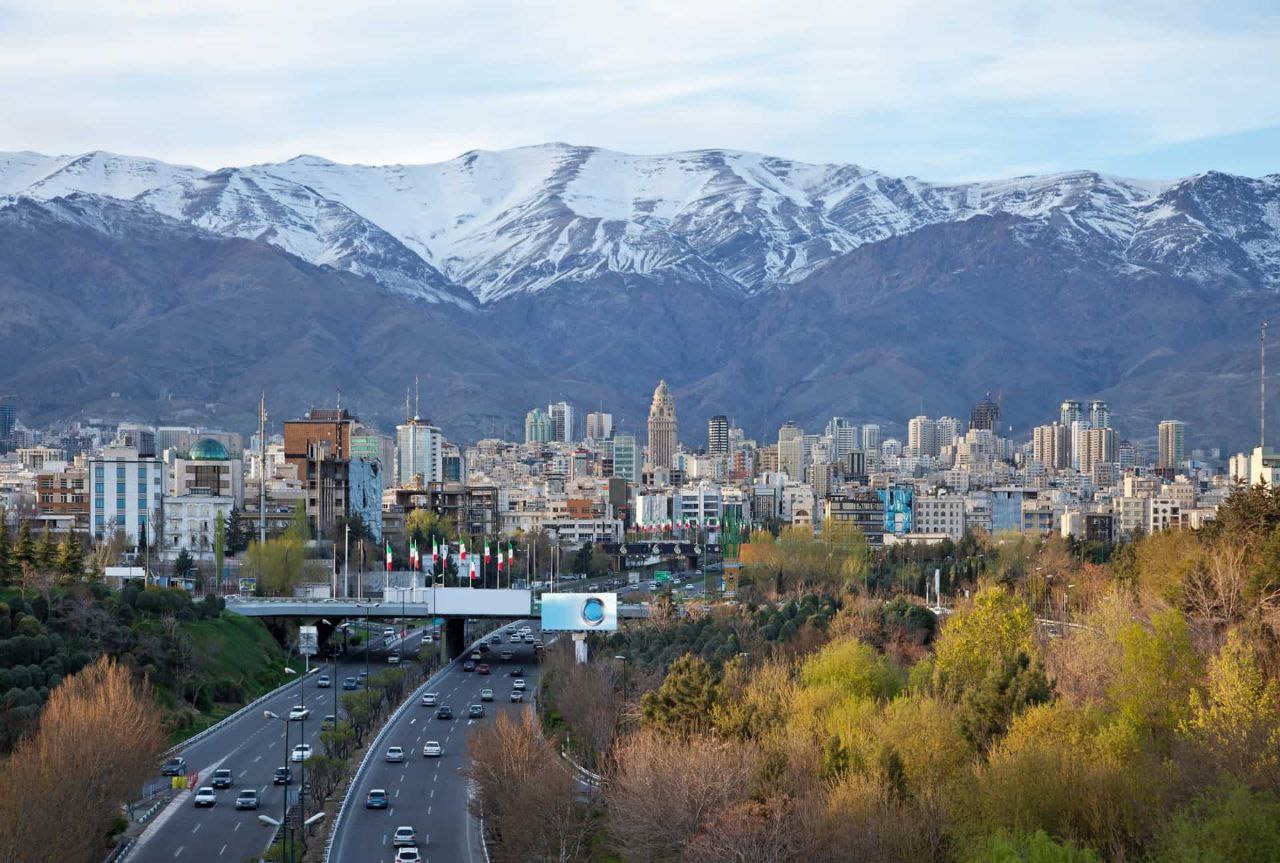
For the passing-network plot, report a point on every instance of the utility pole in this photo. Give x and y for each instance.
(262, 469)
(1262, 390)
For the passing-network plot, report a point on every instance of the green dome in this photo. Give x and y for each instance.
(208, 449)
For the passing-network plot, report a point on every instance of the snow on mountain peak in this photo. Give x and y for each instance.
(497, 223)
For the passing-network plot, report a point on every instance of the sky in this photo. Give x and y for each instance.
(938, 90)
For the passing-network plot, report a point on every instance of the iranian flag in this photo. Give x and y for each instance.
(388, 557)
(462, 552)
(435, 551)
(486, 551)
(499, 560)
(413, 554)
(511, 552)
(473, 570)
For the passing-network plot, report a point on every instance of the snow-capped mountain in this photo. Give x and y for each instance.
(488, 225)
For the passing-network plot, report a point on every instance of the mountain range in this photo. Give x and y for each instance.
(759, 287)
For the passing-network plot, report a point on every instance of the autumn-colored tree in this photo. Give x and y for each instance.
(662, 791)
(528, 799)
(100, 736)
(585, 697)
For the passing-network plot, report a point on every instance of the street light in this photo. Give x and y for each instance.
(367, 638)
(284, 807)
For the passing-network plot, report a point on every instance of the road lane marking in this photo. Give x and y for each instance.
(237, 827)
(195, 829)
(179, 851)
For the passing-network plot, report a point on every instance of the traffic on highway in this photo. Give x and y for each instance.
(412, 793)
(242, 769)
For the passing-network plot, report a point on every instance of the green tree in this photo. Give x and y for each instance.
(1156, 671)
(7, 568)
(363, 708)
(685, 701)
(299, 528)
(70, 556)
(183, 564)
(276, 564)
(219, 546)
(1036, 848)
(24, 550)
(237, 532)
(1228, 825)
(989, 633)
(46, 551)
(1007, 690)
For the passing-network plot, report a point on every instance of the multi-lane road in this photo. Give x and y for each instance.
(252, 747)
(430, 794)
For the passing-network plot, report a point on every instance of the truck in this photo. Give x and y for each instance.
(633, 578)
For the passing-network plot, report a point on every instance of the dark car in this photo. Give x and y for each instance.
(282, 776)
(349, 683)
(247, 799)
(518, 671)
(484, 648)
(495, 639)
(468, 666)
(475, 711)
(221, 778)
(377, 799)
(444, 712)
(174, 767)
(482, 668)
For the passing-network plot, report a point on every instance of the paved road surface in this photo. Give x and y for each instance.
(430, 794)
(252, 747)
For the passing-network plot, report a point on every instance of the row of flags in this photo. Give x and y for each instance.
(686, 524)
(505, 556)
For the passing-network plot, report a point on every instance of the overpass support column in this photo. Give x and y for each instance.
(455, 638)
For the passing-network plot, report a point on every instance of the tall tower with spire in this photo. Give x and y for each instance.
(663, 428)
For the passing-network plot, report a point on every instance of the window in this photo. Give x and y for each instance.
(120, 519)
(142, 519)
(99, 504)
(119, 471)
(97, 471)
(98, 520)
(142, 473)
(97, 486)
(119, 488)
(120, 504)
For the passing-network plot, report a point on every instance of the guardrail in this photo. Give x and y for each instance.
(376, 744)
(595, 780)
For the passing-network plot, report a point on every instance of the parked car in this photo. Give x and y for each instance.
(221, 778)
(404, 836)
(377, 799)
(430, 699)
(205, 797)
(324, 681)
(282, 776)
(349, 683)
(174, 767)
(247, 799)
(395, 755)
(432, 749)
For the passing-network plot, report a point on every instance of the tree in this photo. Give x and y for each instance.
(683, 704)
(183, 564)
(991, 631)
(1230, 824)
(299, 528)
(70, 557)
(1039, 847)
(324, 774)
(364, 708)
(24, 550)
(1157, 669)
(7, 568)
(65, 767)
(237, 532)
(46, 552)
(219, 546)
(276, 564)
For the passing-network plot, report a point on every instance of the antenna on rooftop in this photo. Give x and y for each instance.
(1262, 388)
(417, 397)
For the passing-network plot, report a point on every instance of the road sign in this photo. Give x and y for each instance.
(308, 641)
(661, 576)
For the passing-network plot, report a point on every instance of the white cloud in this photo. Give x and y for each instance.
(937, 86)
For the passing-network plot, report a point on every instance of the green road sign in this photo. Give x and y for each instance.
(661, 576)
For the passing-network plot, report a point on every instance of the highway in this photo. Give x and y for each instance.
(252, 747)
(430, 794)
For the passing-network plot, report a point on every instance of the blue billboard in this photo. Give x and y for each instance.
(579, 612)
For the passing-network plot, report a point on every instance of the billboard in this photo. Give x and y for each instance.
(579, 612)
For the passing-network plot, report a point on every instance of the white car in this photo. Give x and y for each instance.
(298, 712)
(432, 749)
(301, 752)
(393, 658)
(518, 683)
(395, 755)
(408, 855)
(430, 699)
(206, 797)
(405, 836)
(517, 695)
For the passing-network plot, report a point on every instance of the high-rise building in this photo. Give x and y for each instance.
(922, 437)
(985, 415)
(8, 417)
(844, 437)
(792, 452)
(624, 457)
(330, 427)
(663, 428)
(175, 438)
(1051, 446)
(1097, 446)
(871, 445)
(420, 448)
(599, 426)
(1173, 443)
(1078, 430)
(949, 429)
(537, 427)
(1099, 414)
(128, 489)
(718, 435)
(561, 414)
(1071, 410)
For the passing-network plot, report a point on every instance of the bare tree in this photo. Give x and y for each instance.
(663, 791)
(100, 736)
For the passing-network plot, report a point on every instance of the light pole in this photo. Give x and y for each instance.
(284, 806)
(367, 638)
